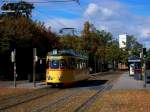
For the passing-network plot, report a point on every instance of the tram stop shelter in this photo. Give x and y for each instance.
(135, 67)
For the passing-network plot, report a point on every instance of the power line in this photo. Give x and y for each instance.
(54, 19)
(64, 27)
(46, 15)
(49, 1)
(56, 1)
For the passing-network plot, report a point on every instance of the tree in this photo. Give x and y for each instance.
(104, 40)
(133, 47)
(86, 36)
(113, 54)
(70, 42)
(23, 34)
(95, 43)
(21, 8)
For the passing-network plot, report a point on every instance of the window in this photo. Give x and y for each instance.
(63, 64)
(71, 63)
(54, 64)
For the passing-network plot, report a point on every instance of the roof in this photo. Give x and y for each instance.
(69, 53)
(134, 59)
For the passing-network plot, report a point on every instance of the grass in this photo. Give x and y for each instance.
(12, 91)
(122, 101)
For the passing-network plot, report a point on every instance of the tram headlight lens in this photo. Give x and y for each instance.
(60, 77)
(48, 77)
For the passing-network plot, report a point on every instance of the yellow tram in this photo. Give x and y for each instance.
(66, 67)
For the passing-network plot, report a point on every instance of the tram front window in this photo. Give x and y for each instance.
(54, 64)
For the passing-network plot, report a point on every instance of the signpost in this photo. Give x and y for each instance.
(34, 65)
(145, 74)
(13, 60)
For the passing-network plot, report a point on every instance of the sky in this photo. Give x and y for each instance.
(115, 16)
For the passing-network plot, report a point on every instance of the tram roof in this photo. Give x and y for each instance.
(68, 53)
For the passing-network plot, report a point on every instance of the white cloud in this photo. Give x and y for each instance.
(145, 32)
(106, 11)
(118, 19)
(94, 9)
(112, 16)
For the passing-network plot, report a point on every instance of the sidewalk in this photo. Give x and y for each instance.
(22, 84)
(127, 82)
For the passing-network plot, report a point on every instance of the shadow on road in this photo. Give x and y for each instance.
(87, 83)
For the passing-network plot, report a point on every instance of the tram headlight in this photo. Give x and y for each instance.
(60, 77)
(49, 78)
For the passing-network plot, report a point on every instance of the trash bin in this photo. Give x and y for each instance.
(138, 74)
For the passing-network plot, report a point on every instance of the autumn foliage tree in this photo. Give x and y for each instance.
(23, 34)
(21, 8)
(70, 42)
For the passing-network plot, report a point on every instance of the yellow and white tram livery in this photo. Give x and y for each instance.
(66, 67)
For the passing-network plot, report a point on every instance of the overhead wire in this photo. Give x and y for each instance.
(48, 17)
(48, 1)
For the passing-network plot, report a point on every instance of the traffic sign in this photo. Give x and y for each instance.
(13, 53)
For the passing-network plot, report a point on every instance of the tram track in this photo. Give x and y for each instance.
(55, 102)
(51, 101)
(17, 100)
(58, 104)
(66, 99)
(90, 100)
(62, 99)
(16, 95)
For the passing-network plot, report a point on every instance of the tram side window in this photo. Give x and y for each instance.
(71, 63)
(81, 66)
(63, 64)
(84, 65)
(87, 64)
(54, 64)
(78, 64)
